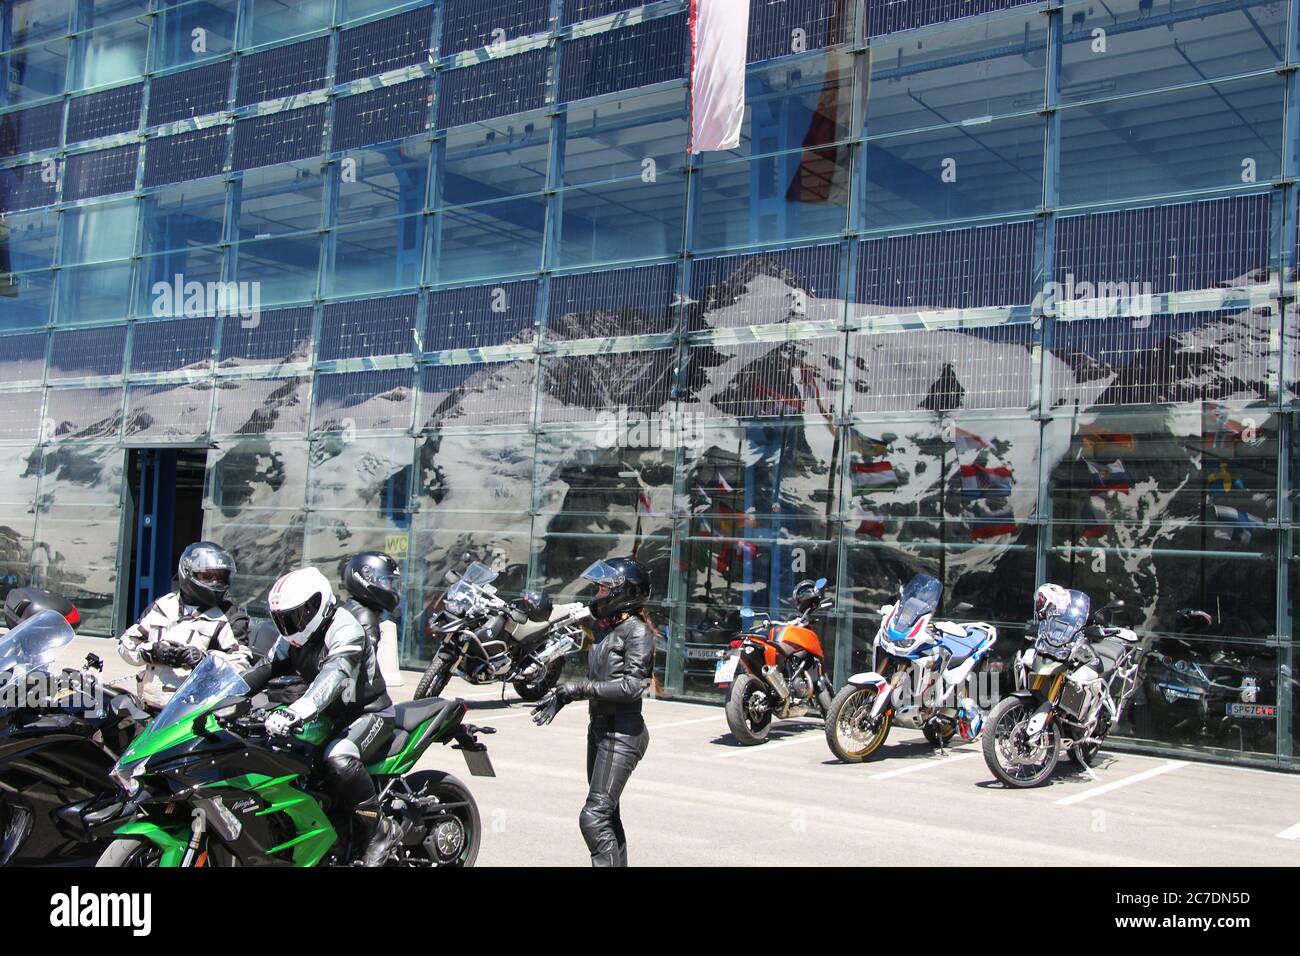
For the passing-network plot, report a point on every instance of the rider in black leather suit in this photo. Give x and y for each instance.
(619, 671)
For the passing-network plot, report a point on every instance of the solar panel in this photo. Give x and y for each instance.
(26, 131)
(512, 84)
(943, 369)
(493, 393)
(653, 51)
(582, 388)
(364, 400)
(20, 416)
(84, 413)
(578, 10)
(169, 346)
(190, 93)
(26, 187)
(100, 173)
(767, 380)
(1175, 248)
(278, 137)
(283, 70)
(949, 269)
(766, 288)
(104, 113)
(22, 357)
(168, 411)
(185, 156)
(368, 327)
(781, 27)
(383, 45)
(378, 116)
(470, 24)
(261, 406)
(481, 316)
(619, 302)
(890, 16)
(279, 335)
(77, 353)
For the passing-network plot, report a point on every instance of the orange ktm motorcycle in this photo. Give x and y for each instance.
(776, 671)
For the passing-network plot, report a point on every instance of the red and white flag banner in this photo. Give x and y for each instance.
(719, 43)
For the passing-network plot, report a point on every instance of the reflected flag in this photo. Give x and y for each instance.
(724, 484)
(1093, 517)
(969, 441)
(1220, 429)
(1241, 525)
(1110, 477)
(989, 522)
(1099, 442)
(977, 481)
(1221, 481)
(873, 475)
(869, 523)
(719, 49)
(643, 505)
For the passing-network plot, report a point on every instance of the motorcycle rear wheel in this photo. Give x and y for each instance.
(845, 721)
(453, 837)
(1005, 722)
(748, 725)
(543, 685)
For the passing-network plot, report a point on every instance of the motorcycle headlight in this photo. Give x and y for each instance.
(458, 606)
(128, 778)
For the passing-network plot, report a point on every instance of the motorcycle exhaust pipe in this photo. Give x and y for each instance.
(774, 678)
(542, 659)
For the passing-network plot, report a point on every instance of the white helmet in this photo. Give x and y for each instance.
(300, 601)
(1050, 598)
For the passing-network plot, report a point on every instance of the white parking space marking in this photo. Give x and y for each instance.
(1166, 767)
(927, 763)
(764, 748)
(716, 718)
(1290, 833)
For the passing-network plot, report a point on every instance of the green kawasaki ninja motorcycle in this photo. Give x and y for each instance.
(206, 786)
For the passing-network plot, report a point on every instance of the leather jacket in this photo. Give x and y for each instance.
(619, 668)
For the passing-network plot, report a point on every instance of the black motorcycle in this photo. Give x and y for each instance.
(483, 638)
(60, 735)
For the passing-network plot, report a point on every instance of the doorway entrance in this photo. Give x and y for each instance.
(166, 505)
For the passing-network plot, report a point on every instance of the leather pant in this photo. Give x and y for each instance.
(615, 745)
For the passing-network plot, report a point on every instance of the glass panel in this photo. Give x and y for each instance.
(491, 393)
(34, 72)
(494, 239)
(632, 219)
(284, 267)
(589, 388)
(376, 257)
(266, 21)
(262, 406)
(110, 54)
(1148, 44)
(25, 299)
(19, 471)
(771, 287)
(473, 472)
(960, 172)
(189, 282)
(386, 181)
(369, 475)
(614, 138)
(36, 20)
(966, 71)
(99, 232)
(764, 380)
(168, 412)
(495, 159)
(276, 200)
(801, 195)
(20, 413)
(26, 187)
(1218, 134)
(183, 216)
(98, 293)
(175, 42)
(468, 24)
(27, 241)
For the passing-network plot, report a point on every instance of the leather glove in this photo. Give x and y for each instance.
(548, 707)
(282, 723)
(190, 656)
(163, 652)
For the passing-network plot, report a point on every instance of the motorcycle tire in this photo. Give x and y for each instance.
(936, 738)
(435, 679)
(993, 758)
(846, 705)
(542, 686)
(747, 731)
(455, 843)
(129, 852)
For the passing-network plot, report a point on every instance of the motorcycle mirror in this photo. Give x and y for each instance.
(965, 607)
(828, 603)
(746, 613)
(451, 577)
(820, 584)
(94, 662)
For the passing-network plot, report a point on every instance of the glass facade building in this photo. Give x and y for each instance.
(1004, 292)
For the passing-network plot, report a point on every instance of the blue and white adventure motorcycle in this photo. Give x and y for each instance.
(920, 666)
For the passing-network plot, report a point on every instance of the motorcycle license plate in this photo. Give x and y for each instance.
(725, 670)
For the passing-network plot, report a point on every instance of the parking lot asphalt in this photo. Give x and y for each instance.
(699, 799)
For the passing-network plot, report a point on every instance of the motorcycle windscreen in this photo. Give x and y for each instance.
(213, 680)
(919, 598)
(33, 644)
(1060, 629)
(460, 598)
(478, 573)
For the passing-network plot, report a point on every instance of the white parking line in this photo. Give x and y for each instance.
(676, 723)
(1290, 833)
(764, 748)
(1166, 767)
(927, 763)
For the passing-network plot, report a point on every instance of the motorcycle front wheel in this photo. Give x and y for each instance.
(749, 713)
(130, 853)
(848, 734)
(453, 832)
(1015, 759)
(435, 678)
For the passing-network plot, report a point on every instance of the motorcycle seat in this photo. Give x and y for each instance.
(412, 714)
(1109, 650)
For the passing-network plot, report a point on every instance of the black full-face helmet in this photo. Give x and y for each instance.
(375, 580)
(205, 573)
(807, 596)
(624, 585)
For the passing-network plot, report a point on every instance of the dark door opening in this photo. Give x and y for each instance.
(167, 503)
